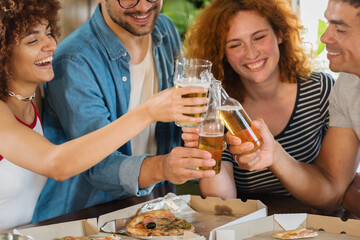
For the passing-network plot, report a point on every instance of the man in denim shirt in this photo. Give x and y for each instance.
(96, 82)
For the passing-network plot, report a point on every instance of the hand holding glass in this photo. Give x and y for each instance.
(192, 72)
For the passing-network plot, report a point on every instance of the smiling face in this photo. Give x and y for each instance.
(32, 57)
(342, 37)
(252, 47)
(139, 20)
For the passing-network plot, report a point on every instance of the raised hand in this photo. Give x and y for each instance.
(169, 105)
(260, 159)
(180, 165)
(190, 136)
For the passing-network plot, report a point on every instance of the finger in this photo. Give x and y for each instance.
(194, 101)
(200, 173)
(193, 109)
(188, 153)
(248, 161)
(190, 130)
(192, 144)
(242, 148)
(231, 139)
(190, 137)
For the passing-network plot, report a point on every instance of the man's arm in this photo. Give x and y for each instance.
(322, 184)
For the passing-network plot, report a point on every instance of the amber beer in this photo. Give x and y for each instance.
(186, 83)
(213, 143)
(238, 123)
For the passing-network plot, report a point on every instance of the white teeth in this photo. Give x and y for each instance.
(45, 60)
(140, 17)
(333, 53)
(255, 65)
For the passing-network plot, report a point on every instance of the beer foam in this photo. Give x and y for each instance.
(230, 108)
(210, 134)
(195, 82)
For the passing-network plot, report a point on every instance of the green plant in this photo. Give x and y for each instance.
(321, 29)
(183, 12)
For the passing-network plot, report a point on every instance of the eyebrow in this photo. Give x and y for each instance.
(36, 32)
(260, 31)
(339, 22)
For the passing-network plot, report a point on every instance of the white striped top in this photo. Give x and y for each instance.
(301, 137)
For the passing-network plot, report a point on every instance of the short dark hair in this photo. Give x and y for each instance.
(17, 17)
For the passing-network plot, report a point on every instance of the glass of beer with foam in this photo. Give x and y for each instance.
(211, 132)
(192, 72)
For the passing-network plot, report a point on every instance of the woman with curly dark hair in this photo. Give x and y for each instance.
(27, 44)
(256, 51)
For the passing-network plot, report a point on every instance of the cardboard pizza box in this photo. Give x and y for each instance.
(216, 213)
(329, 228)
(86, 227)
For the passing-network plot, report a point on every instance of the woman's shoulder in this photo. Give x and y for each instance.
(318, 79)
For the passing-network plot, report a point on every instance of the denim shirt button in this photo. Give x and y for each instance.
(124, 79)
(124, 55)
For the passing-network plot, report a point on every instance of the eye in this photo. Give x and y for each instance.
(235, 45)
(32, 41)
(259, 37)
(340, 31)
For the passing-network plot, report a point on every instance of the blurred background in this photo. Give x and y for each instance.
(183, 12)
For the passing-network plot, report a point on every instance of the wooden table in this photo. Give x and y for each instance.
(274, 204)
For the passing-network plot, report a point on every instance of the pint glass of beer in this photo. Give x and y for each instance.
(192, 72)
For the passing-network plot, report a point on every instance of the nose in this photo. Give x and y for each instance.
(326, 36)
(251, 51)
(143, 6)
(49, 44)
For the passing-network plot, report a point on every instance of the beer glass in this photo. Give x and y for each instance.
(238, 122)
(211, 132)
(192, 72)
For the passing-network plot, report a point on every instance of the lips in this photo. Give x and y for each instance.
(255, 65)
(44, 61)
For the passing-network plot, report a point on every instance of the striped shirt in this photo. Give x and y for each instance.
(301, 137)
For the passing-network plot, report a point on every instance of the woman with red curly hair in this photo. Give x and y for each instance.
(256, 51)
(27, 44)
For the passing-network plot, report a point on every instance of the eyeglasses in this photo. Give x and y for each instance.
(131, 3)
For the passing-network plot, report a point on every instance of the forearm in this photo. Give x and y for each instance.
(82, 153)
(351, 200)
(152, 171)
(307, 182)
(222, 185)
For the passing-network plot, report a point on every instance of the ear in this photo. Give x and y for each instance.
(279, 40)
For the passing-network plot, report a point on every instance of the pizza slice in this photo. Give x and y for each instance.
(295, 234)
(161, 222)
(112, 237)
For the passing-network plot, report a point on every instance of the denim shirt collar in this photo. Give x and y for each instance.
(111, 42)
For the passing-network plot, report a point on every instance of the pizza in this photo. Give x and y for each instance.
(296, 234)
(161, 222)
(112, 237)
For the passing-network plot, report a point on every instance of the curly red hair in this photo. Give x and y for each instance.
(206, 39)
(18, 17)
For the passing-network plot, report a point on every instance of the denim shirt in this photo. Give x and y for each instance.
(92, 88)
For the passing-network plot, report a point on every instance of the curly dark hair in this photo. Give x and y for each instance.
(18, 17)
(206, 39)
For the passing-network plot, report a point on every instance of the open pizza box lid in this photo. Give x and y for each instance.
(329, 228)
(216, 213)
(86, 227)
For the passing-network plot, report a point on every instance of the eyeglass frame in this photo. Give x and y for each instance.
(150, 1)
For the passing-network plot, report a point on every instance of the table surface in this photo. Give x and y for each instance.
(274, 204)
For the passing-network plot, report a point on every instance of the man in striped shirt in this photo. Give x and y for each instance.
(329, 182)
